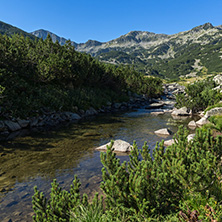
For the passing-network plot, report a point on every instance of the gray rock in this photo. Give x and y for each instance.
(218, 79)
(192, 124)
(164, 131)
(213, 112)
(23, 123)
(12, 126)
(34, 122)
(202, 121)
(184, 111)
(91, 112)
(118, 146)
(169, 142)
(71, 116)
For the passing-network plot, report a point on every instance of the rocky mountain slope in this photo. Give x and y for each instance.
(191, 52)
(41, 33)
(183, 53)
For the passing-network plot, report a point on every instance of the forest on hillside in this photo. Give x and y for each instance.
(35, 74)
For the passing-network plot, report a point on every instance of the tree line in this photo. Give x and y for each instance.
(37, 73)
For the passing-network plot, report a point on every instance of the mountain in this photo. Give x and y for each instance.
(10, 30)
(159, 54)
(41, 33)
(195, 51)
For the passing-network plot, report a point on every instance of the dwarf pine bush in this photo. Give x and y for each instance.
(145, 187)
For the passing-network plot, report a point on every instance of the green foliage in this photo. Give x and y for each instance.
(199, 96)
(217, 121)
(149, 188)
(44, 73)
(206, 209)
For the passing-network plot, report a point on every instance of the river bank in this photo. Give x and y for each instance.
(15, 127)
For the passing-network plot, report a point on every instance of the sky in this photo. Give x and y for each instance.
(108, 19)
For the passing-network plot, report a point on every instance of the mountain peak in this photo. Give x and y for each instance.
(205, 26)
(90, 43)
(41, 33)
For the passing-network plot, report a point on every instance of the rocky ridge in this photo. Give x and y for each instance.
(143, 48)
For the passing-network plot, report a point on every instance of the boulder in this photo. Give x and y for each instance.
(218, 79)
(192, 124)
(164, 132)
(91, 112)
(12, 126)
(169, 142)
(184, 111)
(213, 112)
(72, 116)
(118, 146)
(202, 121)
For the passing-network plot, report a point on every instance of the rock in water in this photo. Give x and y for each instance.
(118, 146)
(192, 124)
(181, 112)
(91, 112)
(202, 121)
(164, 132)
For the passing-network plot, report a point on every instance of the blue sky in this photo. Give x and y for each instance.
(108, 19)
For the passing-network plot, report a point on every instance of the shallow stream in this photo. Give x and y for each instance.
(40, 157)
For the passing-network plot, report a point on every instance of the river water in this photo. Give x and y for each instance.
(38, 158)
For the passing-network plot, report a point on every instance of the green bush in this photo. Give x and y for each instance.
(217, 121)
(199, 96)
(146, 188)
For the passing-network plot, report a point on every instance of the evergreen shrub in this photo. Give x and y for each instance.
(147, 188)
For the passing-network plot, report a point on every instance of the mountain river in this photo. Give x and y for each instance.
(38, 158)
